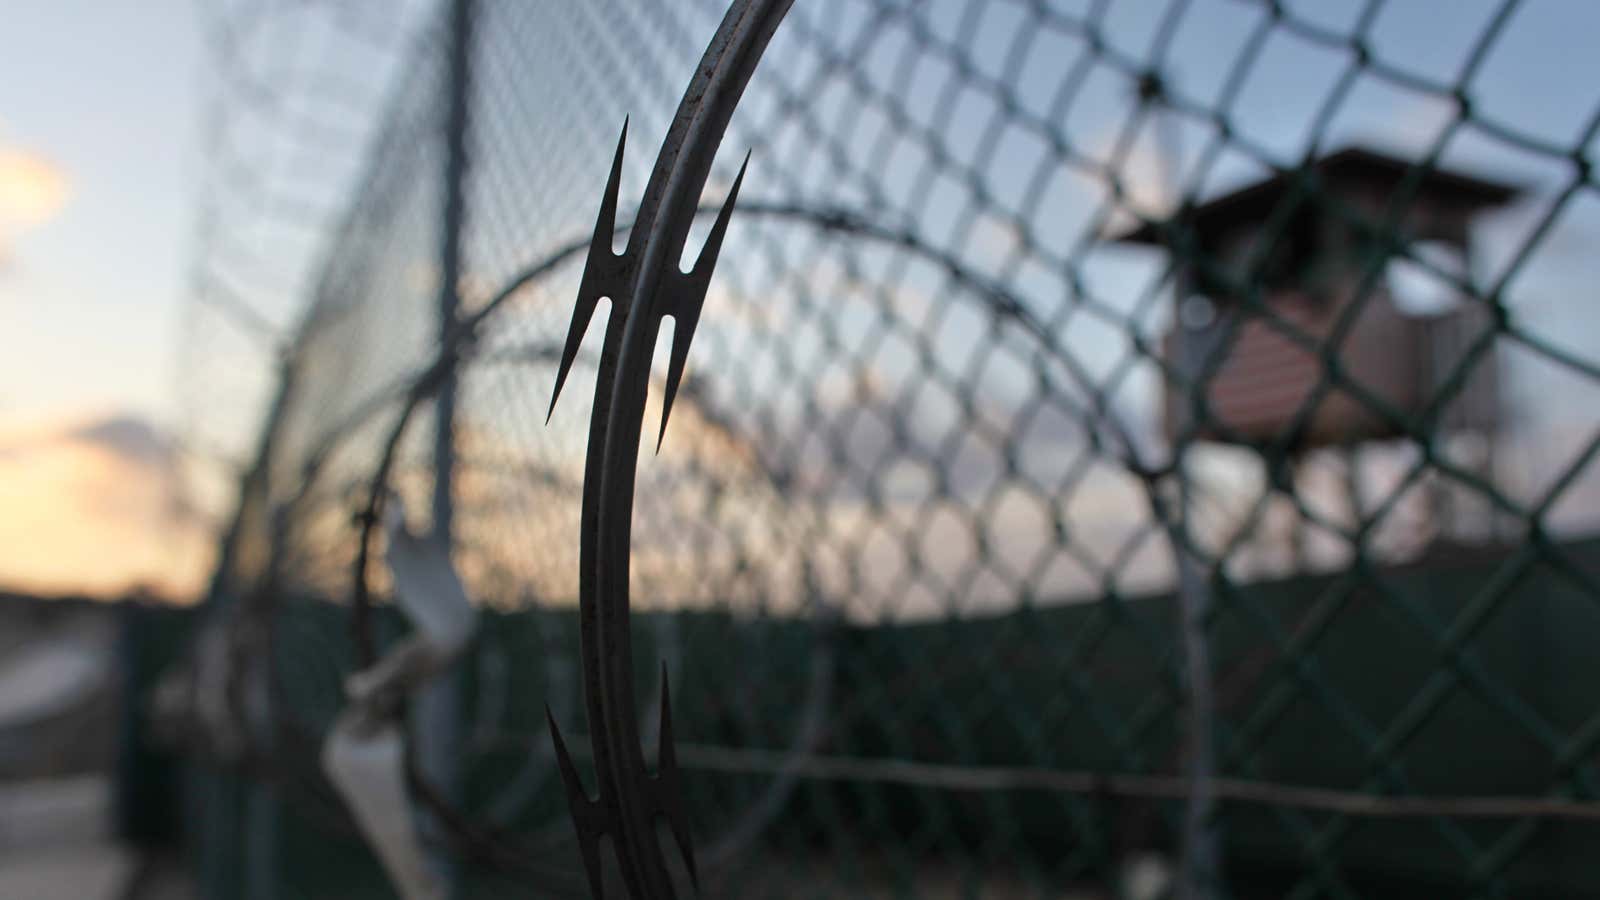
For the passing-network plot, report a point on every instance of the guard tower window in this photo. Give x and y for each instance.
(1424, 287)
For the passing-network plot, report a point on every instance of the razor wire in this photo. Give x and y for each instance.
(898, 549)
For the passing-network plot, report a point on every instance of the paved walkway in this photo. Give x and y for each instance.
(56, 843)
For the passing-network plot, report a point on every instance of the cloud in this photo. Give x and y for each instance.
(129, 437)
(97, 508)
(32, 190)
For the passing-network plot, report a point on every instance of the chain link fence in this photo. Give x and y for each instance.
(1128, 449)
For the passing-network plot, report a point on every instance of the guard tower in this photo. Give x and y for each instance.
(1302, 242)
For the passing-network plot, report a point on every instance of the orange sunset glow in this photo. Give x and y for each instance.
(94, 508)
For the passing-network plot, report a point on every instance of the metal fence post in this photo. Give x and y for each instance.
(438, 733)
(1201, 850)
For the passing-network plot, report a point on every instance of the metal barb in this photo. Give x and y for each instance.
(669, 784)
(605, 273)
(588, 816)
(688, 297)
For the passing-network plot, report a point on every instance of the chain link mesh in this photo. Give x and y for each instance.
(956, 541)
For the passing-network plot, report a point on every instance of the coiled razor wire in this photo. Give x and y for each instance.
(904, 548)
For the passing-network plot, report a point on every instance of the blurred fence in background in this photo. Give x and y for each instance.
(1088, 471)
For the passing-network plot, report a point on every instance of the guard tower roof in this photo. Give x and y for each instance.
(1255, 202)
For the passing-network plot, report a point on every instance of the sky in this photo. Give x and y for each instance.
(99, 116)
(113, 400)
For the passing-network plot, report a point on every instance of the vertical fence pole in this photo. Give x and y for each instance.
(1200, 850)
(438, 736)
(450, 260)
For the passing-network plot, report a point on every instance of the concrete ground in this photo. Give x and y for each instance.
(57, 747)
(56, 842)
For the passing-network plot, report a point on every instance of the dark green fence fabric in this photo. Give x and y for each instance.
(990, 726)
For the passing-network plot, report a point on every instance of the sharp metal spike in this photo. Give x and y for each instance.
(713, 246)
(604, 274)
(669, 785)
(606, 225)
(682, 331)
(689, 297)
(587, 815)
